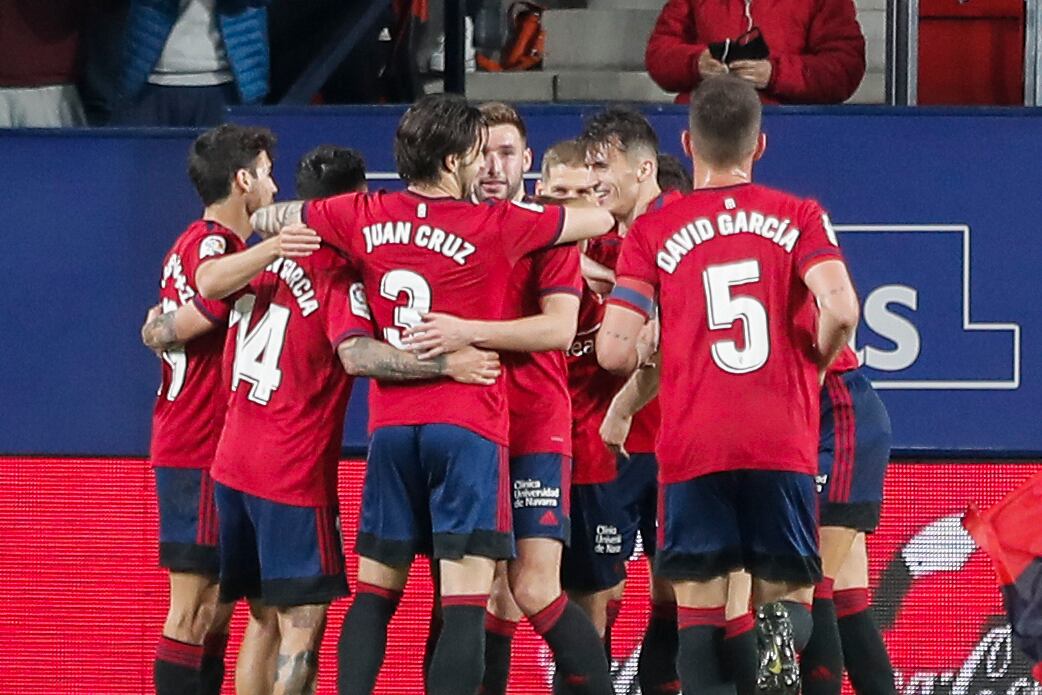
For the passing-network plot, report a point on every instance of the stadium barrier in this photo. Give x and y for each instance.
(82, 599)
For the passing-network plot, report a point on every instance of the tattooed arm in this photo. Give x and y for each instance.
(362, 356)
(163, 332)
(270, 219)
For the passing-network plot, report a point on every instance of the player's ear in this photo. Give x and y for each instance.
(540, 189)
(244, 180)
(685, 142)
(761, 146)
(451, 163)
(526, 160)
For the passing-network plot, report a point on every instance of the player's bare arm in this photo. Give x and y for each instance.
(600, 278)
(162, 332)
(267, 221)
(220, 277)
(641, 388)
(363, 356)
(618, 339)
(582, 219)
(553, 329)
(830, 283)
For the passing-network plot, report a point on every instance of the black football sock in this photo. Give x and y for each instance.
(212, 676)
(459, 657)
(499, 635)
(363, 639)
(740, 656)
(577, 648)
(611, 614)
(177, 667)
(821, 664)
(657, 665)
(433, 633)
(802, 623)
(701, 636)
(864, 652)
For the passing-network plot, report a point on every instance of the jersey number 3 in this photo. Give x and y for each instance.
(417, 293)
(725, 308)
(257, 351)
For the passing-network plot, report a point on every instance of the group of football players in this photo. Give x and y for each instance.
(629, 351)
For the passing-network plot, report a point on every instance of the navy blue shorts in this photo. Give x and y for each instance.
(854, 452)
(540, 487)
(283, 554)
(187, 521)
(606, 518)
(764, 521)
(438, 490)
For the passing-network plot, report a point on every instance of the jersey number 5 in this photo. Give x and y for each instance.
(257, 351)
(725, 308)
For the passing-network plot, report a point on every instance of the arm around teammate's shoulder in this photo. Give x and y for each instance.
(583, 221)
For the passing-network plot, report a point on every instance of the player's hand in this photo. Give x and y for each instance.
(297, 241)
(437, 334)
(708, 66)
(614, 431)
(600, 278)
(154, 312)
(473, 366)
(757, 72)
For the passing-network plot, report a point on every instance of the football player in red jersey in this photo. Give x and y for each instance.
(436, 479)
(755, 302)
(613, 496)
(544, 303)
(230, 167)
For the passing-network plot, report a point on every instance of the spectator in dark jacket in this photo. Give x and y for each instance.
(186, 60)
(816, 48)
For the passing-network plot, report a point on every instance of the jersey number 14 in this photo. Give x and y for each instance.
(257, 351)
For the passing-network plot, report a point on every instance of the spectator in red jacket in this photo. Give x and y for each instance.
(815, 52)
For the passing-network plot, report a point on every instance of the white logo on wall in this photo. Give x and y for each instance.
(878, 315)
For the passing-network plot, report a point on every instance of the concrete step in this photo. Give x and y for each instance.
(873, 26)
(608, 85)
(597, 39)
(531, 85)
(871, 91)
(655, 5)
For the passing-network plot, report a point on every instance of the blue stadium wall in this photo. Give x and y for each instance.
(939, 213)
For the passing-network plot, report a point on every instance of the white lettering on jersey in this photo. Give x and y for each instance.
(298, 282)
(726, 224)
(175, 270)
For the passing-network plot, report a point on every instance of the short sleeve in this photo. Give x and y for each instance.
(525, 227)
(216, 243)
(817, 242)
(347, 315)
(333, 219)
(636, 276)
(557, 270)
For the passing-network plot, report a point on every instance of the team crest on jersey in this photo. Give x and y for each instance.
(213, 245)
(359, 306)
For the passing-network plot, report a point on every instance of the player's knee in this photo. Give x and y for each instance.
(534, 593)
(189, 621)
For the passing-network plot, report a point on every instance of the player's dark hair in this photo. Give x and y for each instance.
(220, 152)
(329, 170)
(619, 127)
(673, 175)
(500, 113)
(725, 119)
(435, 127)
(567, 152)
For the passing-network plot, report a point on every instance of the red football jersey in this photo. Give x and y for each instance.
(285, 420)
(537, 382)
(846, 361)
(420, 254)
(739, 381)
(189, 410)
